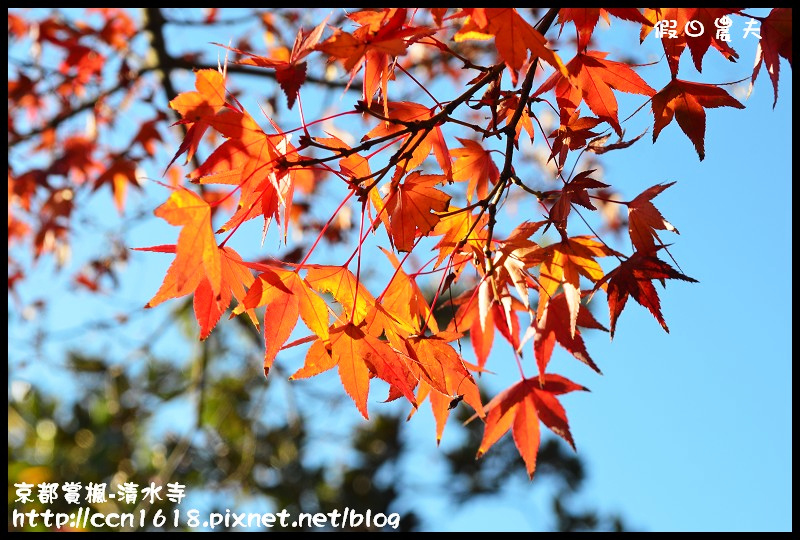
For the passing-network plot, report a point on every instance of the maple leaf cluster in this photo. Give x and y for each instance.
(62, 166)
(418, 188)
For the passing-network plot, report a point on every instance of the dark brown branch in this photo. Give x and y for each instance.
(420, 125)
(166, 63)
(511, 131)
(250, 17)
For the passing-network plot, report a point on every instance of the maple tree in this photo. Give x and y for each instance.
(415, 173)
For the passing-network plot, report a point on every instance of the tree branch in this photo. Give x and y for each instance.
(154, 24)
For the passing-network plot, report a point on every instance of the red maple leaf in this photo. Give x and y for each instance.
(586, 19)
(574, 191)
(475, 165)
(554, 325)
(776, 41)
(520, 408)
(686, 101)
(571, 135)
(644, 220)
(290, 69)
(633, 278)
(694, 27)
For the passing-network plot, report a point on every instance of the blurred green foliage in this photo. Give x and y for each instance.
(235, 452)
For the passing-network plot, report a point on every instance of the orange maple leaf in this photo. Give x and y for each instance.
(121, 173)
(443, 375)
(591, 78)
(196, 253)
(410, 205)
(197, 108)
(341, 283)
(563, 264)
(148, 134)
(381, 36)
(506, 111)
(209, 307)
(287, 297)
(404, 301)
(509, 259)
(421, 142)
(481, 317)
(474, 165)
(250, 159)
(359, 356)
(355, 166)
(513, 37)
(442, 404)
(460, 232)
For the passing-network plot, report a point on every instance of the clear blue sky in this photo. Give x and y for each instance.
(690, 430)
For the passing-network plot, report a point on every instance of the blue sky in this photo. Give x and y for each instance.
(692, 430)
(684, 431)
